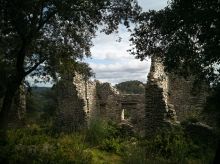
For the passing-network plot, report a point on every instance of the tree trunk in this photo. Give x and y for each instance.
(217, 155)
(12, 86)
(5, 109)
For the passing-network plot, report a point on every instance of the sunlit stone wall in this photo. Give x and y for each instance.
(81, 100)
(70, 113)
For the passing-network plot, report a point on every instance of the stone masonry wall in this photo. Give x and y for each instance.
(132, 111)
(157, 111)
(70, 114)
(81, 100)
(170, 98)
(187, 102)
(86, 90)
(109, 106)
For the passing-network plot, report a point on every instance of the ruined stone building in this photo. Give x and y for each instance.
(81, 100)
(170, 98)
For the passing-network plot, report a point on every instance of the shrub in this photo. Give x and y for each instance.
(112, 145)
(134, 154)
(96, 132)
(175, 147)
(34, 146)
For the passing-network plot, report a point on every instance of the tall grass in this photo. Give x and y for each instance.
(101, 139)
(32, 145)
(97, 132)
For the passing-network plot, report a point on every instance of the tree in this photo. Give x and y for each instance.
(185, 35)
(131, 87)
(48, 37)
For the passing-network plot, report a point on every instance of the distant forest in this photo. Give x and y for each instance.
(131, 87)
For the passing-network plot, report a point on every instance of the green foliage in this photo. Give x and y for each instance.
(96, 132)
(48, 39)
(35, 145)
(185, 35)
(213, 105)
(55, 33)
(105, 135)
(101, 157)
(168, 147)
(173, 146)
(114, 131)
(135, 154)
(131, 87)
(114, 145)
(41, 106)
(32, 145)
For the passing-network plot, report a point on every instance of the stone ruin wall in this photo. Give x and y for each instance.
(108, 102)
(158, 113)
(188, 102)
(70, 113)
(133, 112)
(170, 99)
(86, 90)
(81, 100)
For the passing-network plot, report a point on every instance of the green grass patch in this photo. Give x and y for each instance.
(101, 143)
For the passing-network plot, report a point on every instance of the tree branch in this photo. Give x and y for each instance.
(34, 67)
(42, 23)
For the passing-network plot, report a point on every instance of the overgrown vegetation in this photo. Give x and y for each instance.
(102, 142)
(41, 105)
(50, 38)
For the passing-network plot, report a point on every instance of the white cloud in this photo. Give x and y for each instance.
(152, 4)
(124, 66)
(111, 62)
(122, 70)
(107, 47)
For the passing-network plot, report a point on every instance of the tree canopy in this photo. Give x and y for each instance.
(55, 33)
(185, 35)
(46, 38)
(131, 87)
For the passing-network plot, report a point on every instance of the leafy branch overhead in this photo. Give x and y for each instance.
(48, 38)
(185, 35)
(56, 32)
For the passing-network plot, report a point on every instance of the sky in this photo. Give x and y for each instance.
(110, 60)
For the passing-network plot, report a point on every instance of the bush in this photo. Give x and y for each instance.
(100, 131)
(112, 145)
(96, 132)
(169, 145)
(32, 145)
(135, 154)
(101, 140)
(176, 147)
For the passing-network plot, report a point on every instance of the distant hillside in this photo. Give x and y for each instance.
(41, 103)
(131, 87)
(40, 89)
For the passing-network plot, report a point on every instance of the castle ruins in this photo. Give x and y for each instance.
(80, 101)
(168, 100)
